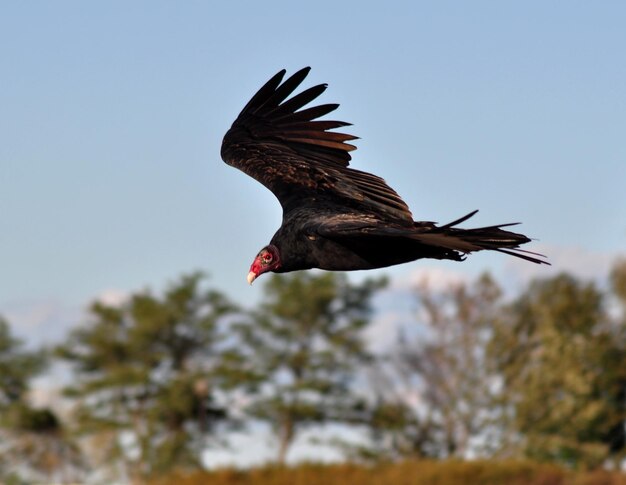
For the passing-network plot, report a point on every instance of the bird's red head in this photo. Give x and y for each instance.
(268, 259)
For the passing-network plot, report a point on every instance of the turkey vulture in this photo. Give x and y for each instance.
(335, 217)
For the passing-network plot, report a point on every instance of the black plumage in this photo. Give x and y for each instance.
(336, 217)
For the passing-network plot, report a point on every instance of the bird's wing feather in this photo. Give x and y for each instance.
(293, 154)
(447, 237)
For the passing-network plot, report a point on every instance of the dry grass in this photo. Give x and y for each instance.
(405, 473)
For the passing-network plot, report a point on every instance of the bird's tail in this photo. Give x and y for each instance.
(465, 241)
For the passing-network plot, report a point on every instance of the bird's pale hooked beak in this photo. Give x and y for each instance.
(251, 277)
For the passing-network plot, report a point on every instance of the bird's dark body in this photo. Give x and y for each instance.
(335, 217)
(304, 238)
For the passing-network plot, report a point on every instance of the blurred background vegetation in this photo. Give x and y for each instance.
(526, 389)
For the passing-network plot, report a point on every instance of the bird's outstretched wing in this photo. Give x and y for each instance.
(294, 154)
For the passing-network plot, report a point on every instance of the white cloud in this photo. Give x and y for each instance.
(383, 331)
(437, 278)
(112, 297)
(41, 321)
(47, 391)
(514, 273)
(47, 320)
(44, 393)
(257, 446)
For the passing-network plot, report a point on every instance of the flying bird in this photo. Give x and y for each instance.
(336, 217)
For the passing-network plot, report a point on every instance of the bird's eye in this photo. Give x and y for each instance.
(267, 257)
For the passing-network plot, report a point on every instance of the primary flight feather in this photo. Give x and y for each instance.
(336, 217)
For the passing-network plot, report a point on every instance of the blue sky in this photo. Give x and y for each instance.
(112, 115)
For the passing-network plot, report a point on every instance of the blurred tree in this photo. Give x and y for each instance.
(447, 371)
(618, 283)
(37, 447)
(301, 351)
(396, 432)
(33, 442)
(146, 382)
(17, 367)
(562, 360)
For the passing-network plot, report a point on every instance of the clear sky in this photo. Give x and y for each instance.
(112, 115)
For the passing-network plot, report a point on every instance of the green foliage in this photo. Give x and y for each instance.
(562, 358)
(618, 280)
(17, 366)
(33, 442)
(395, 432)
(148, 367)
(541, 378)
(302, 349)
(23, 418)
(36, 446)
